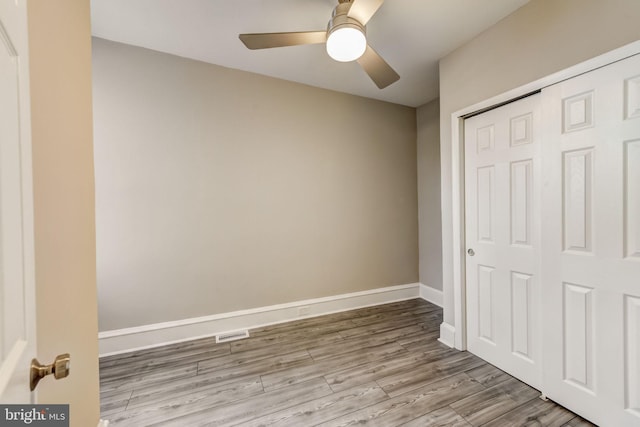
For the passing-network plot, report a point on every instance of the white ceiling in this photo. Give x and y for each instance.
(411, 35)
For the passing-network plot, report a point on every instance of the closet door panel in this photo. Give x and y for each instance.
(590, 263)
(502, 236)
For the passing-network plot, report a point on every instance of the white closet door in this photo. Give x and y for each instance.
(502, 175)
(17, 298)
(591, 244)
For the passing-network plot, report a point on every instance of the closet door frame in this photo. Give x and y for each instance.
(455, 335)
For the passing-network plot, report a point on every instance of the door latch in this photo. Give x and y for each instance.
(59, 368)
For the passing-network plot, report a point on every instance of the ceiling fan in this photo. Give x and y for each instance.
(345, 38)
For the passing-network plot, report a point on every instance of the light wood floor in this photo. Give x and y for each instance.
(378, 366)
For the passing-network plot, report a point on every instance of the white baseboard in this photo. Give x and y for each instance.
(447, 334)
(147, 336)
(430, 294)
(435, 296)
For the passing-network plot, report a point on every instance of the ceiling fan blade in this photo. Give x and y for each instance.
(363, 10)
(380, 72)
(268, 40)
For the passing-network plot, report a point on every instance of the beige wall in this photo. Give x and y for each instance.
(430, 221)
(60, 63)
(219, 190)
(539, 39)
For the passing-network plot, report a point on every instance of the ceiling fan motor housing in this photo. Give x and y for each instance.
(339, 19)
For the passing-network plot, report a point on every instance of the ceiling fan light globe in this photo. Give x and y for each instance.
(346, 43)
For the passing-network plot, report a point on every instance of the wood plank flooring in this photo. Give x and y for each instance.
(378, 366)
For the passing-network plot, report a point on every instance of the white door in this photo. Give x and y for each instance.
(17, 318)
(591, 244)
(502, 173)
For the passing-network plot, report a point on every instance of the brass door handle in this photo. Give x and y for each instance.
(59, 368)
